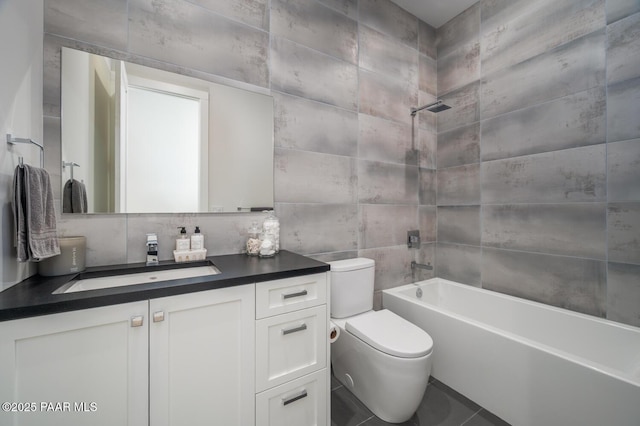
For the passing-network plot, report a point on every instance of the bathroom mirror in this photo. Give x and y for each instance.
(142, 140)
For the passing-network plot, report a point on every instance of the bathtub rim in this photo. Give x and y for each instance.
(631, 379)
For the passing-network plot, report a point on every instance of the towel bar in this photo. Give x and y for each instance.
(12, 141)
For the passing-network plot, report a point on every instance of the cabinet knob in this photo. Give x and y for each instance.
(158, 316)
(137, 321)
(287, 401)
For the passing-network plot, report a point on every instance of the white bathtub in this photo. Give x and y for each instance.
(528, 363)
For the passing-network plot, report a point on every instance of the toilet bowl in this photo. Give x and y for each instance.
(383, 359)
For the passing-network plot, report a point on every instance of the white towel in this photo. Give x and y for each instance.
(34, 214)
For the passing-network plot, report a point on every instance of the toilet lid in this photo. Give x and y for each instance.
(391, 334)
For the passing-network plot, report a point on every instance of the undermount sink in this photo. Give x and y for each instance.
(96, 281)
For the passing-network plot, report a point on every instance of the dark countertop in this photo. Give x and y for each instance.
(33, 296)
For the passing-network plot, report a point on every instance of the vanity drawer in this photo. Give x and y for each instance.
(290, 294)
(301, 402)
(289, 346)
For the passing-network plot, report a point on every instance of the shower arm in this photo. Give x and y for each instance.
(414, 111)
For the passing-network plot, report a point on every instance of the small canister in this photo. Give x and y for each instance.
(70, 260)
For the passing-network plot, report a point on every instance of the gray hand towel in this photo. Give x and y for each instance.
(74, 197)
(34, 214)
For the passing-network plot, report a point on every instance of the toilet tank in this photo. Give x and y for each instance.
(351, 286)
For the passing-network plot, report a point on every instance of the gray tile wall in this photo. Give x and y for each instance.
(538, 162)
(353, 172)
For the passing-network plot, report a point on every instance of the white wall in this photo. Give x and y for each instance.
(21, 25)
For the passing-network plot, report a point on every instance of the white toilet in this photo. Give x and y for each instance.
(383, 359)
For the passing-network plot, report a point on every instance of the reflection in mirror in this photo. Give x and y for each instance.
(144, 140)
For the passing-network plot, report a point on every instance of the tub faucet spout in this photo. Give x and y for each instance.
(415, 265)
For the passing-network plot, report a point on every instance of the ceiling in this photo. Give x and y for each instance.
(435, 12)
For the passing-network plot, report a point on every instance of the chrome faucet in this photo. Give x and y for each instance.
(152, 249)
(415, 265)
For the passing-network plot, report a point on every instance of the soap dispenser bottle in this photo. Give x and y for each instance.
(182, 242)
(197, 240)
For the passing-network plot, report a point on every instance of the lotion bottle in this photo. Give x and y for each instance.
(182, 242)
(197, 240)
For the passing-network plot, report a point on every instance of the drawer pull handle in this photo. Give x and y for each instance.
(295, 329)
(158, 316)
(137, 321)
(287, 401)
(298, 294)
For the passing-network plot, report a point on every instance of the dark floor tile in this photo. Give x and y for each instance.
(346, 409)
(378, 422)
(442, 406)
(485, 418)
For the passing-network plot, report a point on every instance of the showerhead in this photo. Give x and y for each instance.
(434, 107)
(438, 108)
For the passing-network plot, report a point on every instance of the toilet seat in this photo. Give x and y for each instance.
(391, 334)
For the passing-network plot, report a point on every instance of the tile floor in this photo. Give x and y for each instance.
(441, 406)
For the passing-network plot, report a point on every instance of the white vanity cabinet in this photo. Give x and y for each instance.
(201, 358)
(292, 352)
(246, 355)
(86, 367)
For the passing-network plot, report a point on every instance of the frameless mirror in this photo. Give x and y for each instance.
(142, 140)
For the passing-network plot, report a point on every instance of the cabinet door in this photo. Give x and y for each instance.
(201, 357)
(80, 368)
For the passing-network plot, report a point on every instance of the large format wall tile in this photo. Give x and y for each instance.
(239, 52)
(428, 187)
(427, 40)
(316, 26)
(250, 12)
(318, 228)
(459, 68)
(618, 9)
(459, 263)
(623, 168)
(304, 72)
(623, 110)
(568, 122)
(106, 239)
(459, 31)
(459, 185)
(387, 183)
(623, 230)
(428, 75)
(459, 146)
(309, 177)
(459, 224)
(393, 265)
(534, 27)
(385, 225)
(623, 49)
(577, 174)
(314, 126)
(383, 54)
(387, 97)
(565, 282)
(347, 7)
(570, 68)
(574, 229)
(427, 148)
(623, 293)
(465, 107)
(427, 220)
(391, 19)
(385, 140)
(94, 21)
